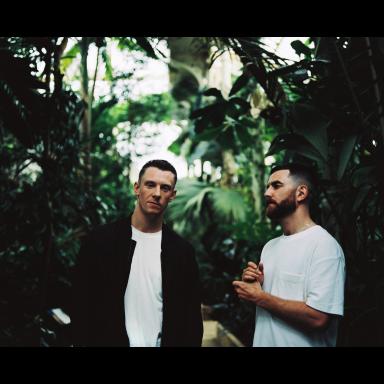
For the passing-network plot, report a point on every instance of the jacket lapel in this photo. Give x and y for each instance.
(125, 247)
(168, 264)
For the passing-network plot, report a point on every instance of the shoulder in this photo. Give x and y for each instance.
(324, 237)
(326, 243)
(271, 243)
(106, 232)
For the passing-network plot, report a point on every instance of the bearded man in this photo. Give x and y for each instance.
(298, 286)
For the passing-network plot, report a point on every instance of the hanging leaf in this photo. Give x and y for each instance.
(259, 72)
(295, 143)
(310, 123)
(144, 44)
(213, 92)
(345, 154)
(107, 64)
(199, 151)
(301, 48)
(240, 83)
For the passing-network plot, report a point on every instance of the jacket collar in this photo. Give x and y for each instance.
(125, 232)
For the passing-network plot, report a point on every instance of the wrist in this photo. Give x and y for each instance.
(261, 299)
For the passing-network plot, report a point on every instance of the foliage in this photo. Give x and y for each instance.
(327, 110)
(45, 206)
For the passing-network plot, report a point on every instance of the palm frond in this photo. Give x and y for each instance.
(229, 204)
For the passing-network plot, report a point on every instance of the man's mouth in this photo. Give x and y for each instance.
(152, 202)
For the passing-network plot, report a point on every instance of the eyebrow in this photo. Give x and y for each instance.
(161, 185)
(275, 183)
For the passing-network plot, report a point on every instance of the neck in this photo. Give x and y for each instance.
(146, 223)
(298, 221)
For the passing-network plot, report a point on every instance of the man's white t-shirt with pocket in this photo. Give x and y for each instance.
(308, 266)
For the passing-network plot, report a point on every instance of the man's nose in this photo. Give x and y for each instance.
(156, 191)
(267, 192)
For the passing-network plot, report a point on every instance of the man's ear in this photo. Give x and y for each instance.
(173, 195)
(136, 188)
(302, 192)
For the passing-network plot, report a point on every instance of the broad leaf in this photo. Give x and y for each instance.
(345, 154)
(240, 83)
(301, 48)
(311, 124)
(213, 92)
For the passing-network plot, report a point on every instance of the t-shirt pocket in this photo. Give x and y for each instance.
(290, 286)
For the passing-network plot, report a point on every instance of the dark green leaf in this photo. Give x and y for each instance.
(240, 83)
(301, 48)
(311, 124)
(295, 143)
(345, 154)
(144, 43)
(213, 92)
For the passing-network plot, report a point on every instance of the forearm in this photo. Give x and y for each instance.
(295, 312)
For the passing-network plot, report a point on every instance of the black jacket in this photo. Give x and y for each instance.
(101, 277)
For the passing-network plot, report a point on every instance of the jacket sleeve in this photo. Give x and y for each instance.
(82, 298)
(194, 334)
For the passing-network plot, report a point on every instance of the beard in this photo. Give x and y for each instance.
(284, 209)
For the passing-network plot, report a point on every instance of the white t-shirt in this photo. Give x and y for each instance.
(143, 299)
(308, 266)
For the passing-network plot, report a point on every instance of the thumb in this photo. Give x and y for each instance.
(261, 267)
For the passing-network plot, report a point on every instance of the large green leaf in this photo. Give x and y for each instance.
(189, 201)
(229, 204)
(68, 57)
(295, 143)
(301, 48)
(206, 150)
(240, 83)
(199, 151)
(345, 154)
(311, 124)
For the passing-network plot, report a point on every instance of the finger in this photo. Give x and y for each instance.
(261, 266)
(248, 278)
(252, 264)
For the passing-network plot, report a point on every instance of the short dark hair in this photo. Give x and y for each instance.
(301, 173)
(164, 165)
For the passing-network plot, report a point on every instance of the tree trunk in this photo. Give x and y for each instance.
(229, 169)
(86, 122)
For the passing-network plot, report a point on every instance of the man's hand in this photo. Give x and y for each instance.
(253, 273)
(248, 291)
